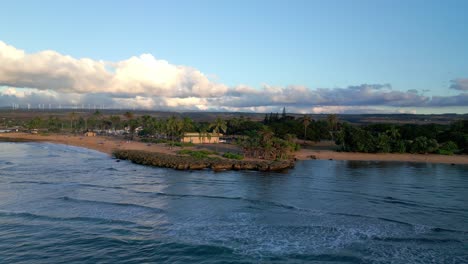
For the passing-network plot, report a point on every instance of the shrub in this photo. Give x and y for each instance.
(230, 155)
(196, 153)
(448, 148)
(181, 144)
(424, 145)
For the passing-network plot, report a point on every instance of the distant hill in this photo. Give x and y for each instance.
(209, 116)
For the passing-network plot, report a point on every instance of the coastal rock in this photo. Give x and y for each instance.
(180, 162)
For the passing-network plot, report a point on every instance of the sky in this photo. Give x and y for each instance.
(308, 56)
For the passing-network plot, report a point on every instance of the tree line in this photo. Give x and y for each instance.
(278, 135)
(408, 138)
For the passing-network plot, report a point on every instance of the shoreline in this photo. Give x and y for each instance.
(110, 144)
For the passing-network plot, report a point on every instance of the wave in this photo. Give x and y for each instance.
(32, 182)
(332, 258)
(414, 226)
(69, 183)
(255, 201)
(97, 220)
(93, 202)
(417, 240)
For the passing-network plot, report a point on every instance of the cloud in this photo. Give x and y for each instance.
(365, 94)
(459, 84)
(143, 81)
(443, 101)
(141, 75)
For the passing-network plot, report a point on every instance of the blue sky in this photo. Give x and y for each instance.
(410, 45)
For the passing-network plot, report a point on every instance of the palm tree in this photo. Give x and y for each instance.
(131, 123)
(187, 124)
(393, 133)
(115, 120)
(234, 124)
(332, 121)
(174, 127)
(203, 132)
(266, 141)
(306, 122)
(170, 127)
(98, 116)
(219, 125)
(129, 115)
(72, 118)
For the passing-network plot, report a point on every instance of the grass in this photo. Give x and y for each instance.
(172, 143)
(182, 144)
(196, 153)
(235, 156)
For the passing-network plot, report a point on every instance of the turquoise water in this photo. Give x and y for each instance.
(67, 204)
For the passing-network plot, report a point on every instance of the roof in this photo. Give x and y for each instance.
(196, 134)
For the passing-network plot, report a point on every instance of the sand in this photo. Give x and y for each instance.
(334, 155)
(99, 143)
(108, 144)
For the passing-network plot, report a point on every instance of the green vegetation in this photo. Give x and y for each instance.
(276, 137)
(384, 138)
(235, 156)
(200, 154)
(186, 162)
(180, 144)
(264, 144)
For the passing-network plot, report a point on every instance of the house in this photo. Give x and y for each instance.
(201, 138)
(90, 134)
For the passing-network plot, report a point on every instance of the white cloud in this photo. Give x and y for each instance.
(143, 75)
(48, 77)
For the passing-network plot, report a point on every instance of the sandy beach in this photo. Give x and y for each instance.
(108, 144)
(99, 143)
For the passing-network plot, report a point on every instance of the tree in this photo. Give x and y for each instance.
(448, 148)
(54, 124)
(97, 118)
(306, 122)
(355, 139)
(383, 143)
(73, 116)
(34, 123)
(332, 121)
(132, 124)
(174, 127)
(203, 132)
(266, 142)
(187, 124)
(115, 120)
(81, 123)
(219, 125)
(129, 115)
(423, 145)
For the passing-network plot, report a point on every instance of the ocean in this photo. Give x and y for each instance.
(64, 204)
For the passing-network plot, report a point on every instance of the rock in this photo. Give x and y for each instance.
(180, 162)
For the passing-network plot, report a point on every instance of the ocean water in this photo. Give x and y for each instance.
(63, 204)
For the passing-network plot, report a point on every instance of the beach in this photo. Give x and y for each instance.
(100, 143)
(109, 144)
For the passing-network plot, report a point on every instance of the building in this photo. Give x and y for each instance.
(201, 138)
(90, 134)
